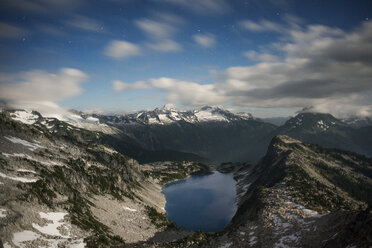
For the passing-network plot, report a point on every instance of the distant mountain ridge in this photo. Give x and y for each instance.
(209, 133)
(328, 131)
(169, 115)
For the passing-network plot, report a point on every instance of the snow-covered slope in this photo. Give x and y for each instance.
(169, 115)
(104, 123)
(73, 118)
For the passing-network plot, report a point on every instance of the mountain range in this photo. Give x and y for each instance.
(62, 185)
(209, 133)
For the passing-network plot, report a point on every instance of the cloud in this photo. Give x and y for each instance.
(160, 33)
(40, 90)
(165, 45)
(261, 26)
(50, 29)
(255, 56)
(155, 29)
(11, 31)
(121, 86)
(323, 67)
(120, 49)
(189, 93)
(201, 7)
(85, 23)
(205, 40)
(41, 6)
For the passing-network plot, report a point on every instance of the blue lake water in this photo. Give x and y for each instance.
(205, 203)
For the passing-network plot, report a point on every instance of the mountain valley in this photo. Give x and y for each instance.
(68, 183)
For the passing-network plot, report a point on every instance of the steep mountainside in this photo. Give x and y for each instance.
(298, 195)
(328, 131)
(76, 123)
(303, 195)
(212, 133)
(60, 187)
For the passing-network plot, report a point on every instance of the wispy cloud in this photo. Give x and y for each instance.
(50, 29)
(165, 45)
(205, 40)
(11, 31)
(160, 33)
(123, 86)
(42, 6)
(261, 26)
(201, 7)
(85, 23)
(156, 29)
(120, 49)
(41, 90)
(256, 56)
(189, 93)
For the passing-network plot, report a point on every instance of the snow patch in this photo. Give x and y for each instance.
(31, 146)
(307, 212)
(164, 119)
(27, 171)
(130, 209)
(22, 155)
(153, 121)
(25, 236)
(226, 245)
(322, 125)
(7, 245)
(2, 213)
(19, 179)
(109, 150)
(283, 241)
(209, 116)
(252, 240)
(17, 155)
(52, 228)
(26, 117)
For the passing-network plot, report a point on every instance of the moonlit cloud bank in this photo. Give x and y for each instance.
(41, 90)
(322, 68)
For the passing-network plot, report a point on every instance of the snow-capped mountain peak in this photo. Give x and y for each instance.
(169, 106)
(169, 115)
(159, 116)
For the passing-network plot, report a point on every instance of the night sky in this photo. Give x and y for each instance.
(270, 58)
